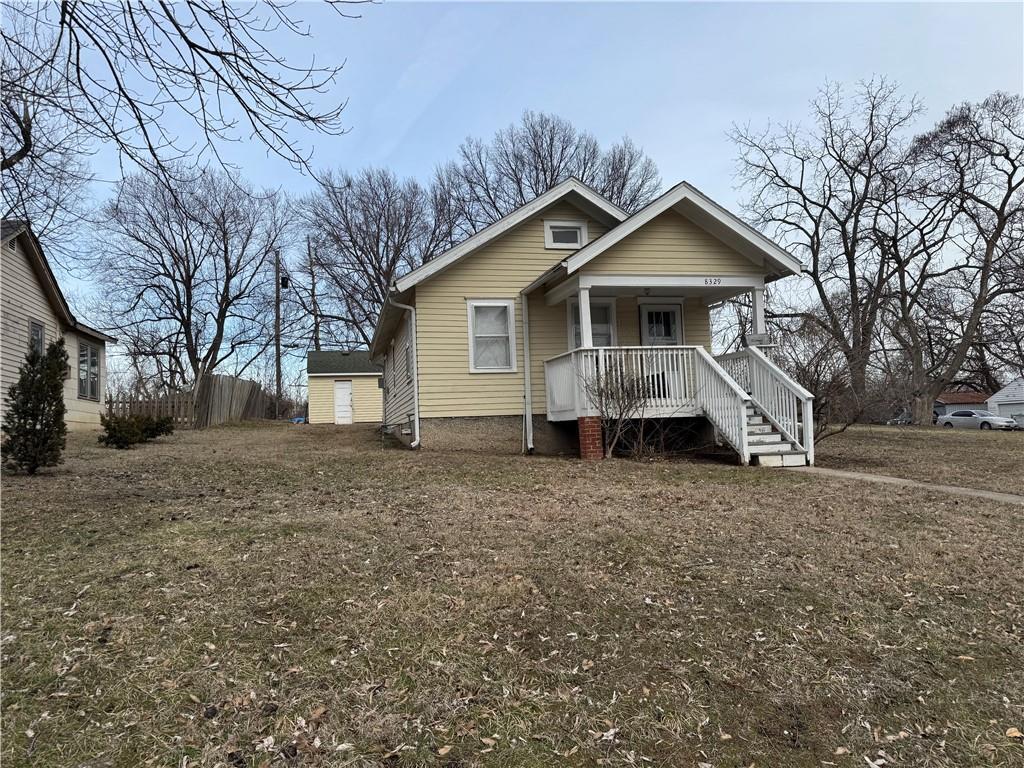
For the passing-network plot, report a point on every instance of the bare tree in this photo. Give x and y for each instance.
(817, 191)
(973, 163)
(367, 230)
(525, 160)
(45, 173)
(127, 73)
(187, 273)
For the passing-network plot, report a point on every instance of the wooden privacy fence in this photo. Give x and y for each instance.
(222, 399)
(177, 406)
(218, 400)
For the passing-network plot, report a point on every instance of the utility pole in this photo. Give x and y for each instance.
(277, 330)
(312, 296)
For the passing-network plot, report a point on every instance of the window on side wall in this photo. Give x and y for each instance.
(36, 337)
(569, 235)
(602, 323)
(88, 371)
(408, 361)
(492, 336)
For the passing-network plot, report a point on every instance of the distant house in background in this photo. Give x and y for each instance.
(948, 402)
(1009, 401)
(35, 313)
(344, 388)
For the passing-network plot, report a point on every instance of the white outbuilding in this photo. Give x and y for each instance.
(1009, 401)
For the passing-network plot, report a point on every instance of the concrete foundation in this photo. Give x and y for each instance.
(497, 434)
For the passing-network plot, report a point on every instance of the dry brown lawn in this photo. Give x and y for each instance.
(297, 596)
(990, 460)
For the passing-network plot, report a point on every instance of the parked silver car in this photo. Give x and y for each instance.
(976, 420)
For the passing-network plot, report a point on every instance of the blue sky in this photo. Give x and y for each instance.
(420, 77)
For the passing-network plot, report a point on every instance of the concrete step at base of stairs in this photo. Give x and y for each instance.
(788, 459)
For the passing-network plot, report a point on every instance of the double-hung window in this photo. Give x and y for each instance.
(88, 371)
(492, 335)
(36, 337)
(602, 323)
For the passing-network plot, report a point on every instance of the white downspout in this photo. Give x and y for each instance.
(415, 372)
(527, 365)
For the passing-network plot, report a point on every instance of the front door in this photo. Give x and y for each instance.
(343, 402)
(660, 325)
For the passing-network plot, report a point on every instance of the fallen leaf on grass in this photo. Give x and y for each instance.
(445, 749)
(1015, 734)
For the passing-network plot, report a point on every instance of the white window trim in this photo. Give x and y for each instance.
(594, 302)
(550, 244)
(667, 303)
(509, 304)
(408, 361)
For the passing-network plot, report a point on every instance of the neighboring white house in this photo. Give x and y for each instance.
(34, 312)
(1009, 401)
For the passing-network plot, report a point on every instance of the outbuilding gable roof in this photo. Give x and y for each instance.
(340, 362)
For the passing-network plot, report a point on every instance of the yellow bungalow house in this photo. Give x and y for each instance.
(505, 341)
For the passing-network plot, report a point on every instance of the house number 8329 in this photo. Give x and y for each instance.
(712, 281)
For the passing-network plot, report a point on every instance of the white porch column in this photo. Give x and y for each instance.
(757, 316)
(586, 331)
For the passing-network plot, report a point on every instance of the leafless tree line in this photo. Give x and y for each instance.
(369, 227)
(913, 245)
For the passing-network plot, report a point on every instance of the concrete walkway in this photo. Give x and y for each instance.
(1006, 498)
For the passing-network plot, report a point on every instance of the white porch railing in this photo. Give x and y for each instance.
(787, 405)
(673, 381)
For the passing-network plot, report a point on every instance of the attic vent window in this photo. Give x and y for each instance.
(570, 235)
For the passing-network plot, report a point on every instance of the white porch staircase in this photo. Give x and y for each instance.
(767, 446)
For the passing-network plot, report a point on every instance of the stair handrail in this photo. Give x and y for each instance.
(736, 435)
(806, 398)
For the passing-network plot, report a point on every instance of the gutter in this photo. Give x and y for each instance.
(527, 366)
(415, 372)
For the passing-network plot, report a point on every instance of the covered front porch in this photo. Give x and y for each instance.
(638, 347)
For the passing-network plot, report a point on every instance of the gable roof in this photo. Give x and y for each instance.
(1011, 393)
(11, 228)
(340, 361)
(705, 213)
(578, 192)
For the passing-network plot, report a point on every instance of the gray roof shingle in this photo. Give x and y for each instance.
(337, 361)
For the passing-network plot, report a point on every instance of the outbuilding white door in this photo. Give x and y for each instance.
(343, 402)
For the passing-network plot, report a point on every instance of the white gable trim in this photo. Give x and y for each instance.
(771, 252)
(503, 225)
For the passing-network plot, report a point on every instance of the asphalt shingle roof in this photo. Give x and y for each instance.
(337, 361)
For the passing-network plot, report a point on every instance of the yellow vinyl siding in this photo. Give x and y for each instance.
(671, 244)
(499, 270)
(367, 403)
(697, 323)
(399, 395)
(321, 400)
